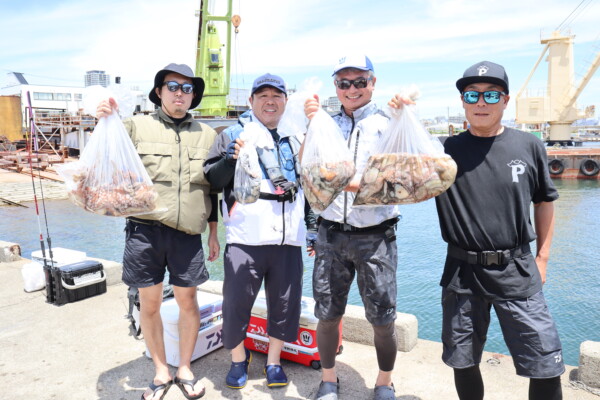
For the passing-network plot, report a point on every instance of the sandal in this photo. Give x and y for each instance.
(190, 382)
(156, 388)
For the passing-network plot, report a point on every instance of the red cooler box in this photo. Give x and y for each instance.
(304, 350)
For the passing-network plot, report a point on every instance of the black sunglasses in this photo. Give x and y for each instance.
(359, 83)
(173, 86)
(489, 96)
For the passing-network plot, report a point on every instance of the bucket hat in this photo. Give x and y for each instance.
(483, 71)
(180, 69)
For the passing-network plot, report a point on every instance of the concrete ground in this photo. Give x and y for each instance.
(84, 350)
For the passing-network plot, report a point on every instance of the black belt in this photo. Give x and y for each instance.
(150, 222)
(337, 226)
(498, 257)
(290, 196)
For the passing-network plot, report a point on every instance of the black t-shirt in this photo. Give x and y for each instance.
(488, 208)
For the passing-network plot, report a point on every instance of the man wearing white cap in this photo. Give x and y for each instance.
(356, 241)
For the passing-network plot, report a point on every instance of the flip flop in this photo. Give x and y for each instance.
(190, 382)
(156, 388)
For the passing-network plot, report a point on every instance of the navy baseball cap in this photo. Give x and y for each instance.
(270, 80)
(484, 71)
(361, 62)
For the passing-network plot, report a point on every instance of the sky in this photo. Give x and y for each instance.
(428, 43)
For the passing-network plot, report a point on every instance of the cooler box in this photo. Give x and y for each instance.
(77, 281)
(304, 350)
(60, 256)
(209, 335)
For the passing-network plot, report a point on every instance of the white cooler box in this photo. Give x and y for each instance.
(60, 256)
(209, 335)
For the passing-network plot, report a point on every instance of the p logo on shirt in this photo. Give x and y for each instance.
(517, 168)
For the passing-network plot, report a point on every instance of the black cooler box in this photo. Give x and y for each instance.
(77, 281)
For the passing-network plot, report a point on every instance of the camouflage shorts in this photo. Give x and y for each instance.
(372, 256)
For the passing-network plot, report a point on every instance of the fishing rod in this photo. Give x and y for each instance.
(48, 269)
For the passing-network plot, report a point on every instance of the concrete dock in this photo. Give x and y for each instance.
(84, 350)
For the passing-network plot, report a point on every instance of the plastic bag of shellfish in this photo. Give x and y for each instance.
(248, 174)
(327, 165)
(408, 166)
(109, 178)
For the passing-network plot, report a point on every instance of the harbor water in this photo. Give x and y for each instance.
(573, 279)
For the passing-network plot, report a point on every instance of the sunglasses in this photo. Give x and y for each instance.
(359, 83)
(173, 86)
(489, 96)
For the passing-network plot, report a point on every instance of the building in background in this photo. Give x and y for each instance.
(97, 78)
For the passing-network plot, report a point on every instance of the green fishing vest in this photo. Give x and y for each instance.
(174, 158)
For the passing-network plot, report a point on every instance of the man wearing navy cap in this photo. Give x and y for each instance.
(356, 240)
(484, 218)
(264, 238)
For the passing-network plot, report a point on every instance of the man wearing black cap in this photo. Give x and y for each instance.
(265, 237)
(173, 147)
(484, 218)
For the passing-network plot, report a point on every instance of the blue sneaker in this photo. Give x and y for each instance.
(275, 376)
(237, 377)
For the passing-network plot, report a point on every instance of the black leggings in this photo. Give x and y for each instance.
(469, 386)
(386, 343)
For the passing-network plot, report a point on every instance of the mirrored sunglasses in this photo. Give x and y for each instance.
(359, 83)
(489, 96)
(173, 86)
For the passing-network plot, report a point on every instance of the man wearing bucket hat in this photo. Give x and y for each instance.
(264, 237)
(356, 240)
(485, 219)
(173, 147)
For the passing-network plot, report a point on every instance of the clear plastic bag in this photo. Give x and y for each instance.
(109, 178)
(248, 174)
(408, 166)
(327, 165)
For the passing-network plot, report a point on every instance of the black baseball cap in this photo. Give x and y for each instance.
(484, 71)
(180, 69)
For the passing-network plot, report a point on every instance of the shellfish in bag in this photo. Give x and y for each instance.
(327, 165)
(109, 178)
(248, 173)
(408, 166)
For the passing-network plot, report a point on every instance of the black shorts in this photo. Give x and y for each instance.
(372, 256)
(153, 248)
(528, 328)
(246, 267)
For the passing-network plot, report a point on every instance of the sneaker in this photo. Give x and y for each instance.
(328, 390)
(385, 393)
(237, 377)
(275, 376)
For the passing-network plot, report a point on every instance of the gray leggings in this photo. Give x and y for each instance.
(386, 343)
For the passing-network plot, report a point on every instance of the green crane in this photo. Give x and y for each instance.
(210, 63)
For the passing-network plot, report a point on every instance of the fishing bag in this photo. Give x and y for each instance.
(109, 178)
(408, 165)
(327, 164)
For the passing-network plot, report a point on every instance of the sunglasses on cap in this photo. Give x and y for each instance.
(359, 83)
(489, 96)
(173, 86)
